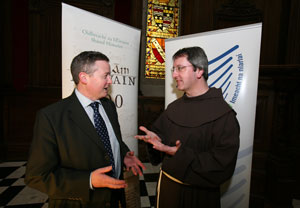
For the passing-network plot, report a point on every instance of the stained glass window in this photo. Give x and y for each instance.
(162, 23)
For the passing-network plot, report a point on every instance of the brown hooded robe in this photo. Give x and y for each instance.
(209, 133)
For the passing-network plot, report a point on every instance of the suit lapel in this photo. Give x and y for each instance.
(80, 118)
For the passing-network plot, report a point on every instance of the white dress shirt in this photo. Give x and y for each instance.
(85, 102)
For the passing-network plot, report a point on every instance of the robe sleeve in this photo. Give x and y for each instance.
(214, 166)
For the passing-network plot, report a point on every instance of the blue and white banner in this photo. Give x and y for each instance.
(233, 56)
(85, 31)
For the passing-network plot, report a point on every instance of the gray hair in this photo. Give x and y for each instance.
(84, 62)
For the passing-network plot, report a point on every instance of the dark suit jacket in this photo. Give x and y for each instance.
(65, 149)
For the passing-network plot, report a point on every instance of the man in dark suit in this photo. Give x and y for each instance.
(74, 158)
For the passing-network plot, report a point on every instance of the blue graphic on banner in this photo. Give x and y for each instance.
(226, 74)
(239, 185)
(237, 188)
(226, 71)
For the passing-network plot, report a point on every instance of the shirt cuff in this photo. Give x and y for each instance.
(91, 186)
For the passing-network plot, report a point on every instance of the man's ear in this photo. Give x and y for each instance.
(199, 73)
(83, 77)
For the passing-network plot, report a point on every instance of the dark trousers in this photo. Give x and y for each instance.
(118, 198)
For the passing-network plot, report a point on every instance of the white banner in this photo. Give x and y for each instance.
(85, 31)
(233, 56)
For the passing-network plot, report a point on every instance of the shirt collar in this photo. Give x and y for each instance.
(85, 102)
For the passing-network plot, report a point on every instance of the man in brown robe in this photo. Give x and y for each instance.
(196, 138)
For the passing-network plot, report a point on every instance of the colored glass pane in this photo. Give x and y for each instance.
(162, 23)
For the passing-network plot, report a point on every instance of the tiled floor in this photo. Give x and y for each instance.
(14, 193)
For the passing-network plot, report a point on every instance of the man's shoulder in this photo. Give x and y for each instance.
(108, 102)
(175, 102)
(59, 106)
(106, 99)
(195, 111)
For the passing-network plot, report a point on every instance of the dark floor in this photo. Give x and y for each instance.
(14, 193)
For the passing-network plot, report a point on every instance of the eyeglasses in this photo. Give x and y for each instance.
(179, 69)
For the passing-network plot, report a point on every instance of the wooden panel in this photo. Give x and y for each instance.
(19, 112)
(5, 42)
(45, 37)
(280, 37)
(149, 110)
(263, 119)
(136, 14)
(18, 107)
(275, 169)
(293, 40)
(196, 16)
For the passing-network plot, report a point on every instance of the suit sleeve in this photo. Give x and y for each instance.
(44, 171)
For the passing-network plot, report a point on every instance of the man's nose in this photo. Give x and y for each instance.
(109, 80)
(174, 74)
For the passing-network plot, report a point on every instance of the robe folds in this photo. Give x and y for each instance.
(209, 133)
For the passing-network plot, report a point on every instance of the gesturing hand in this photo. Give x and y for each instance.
(100, 180)
(150, 135)
(153, 139)
(133, 163)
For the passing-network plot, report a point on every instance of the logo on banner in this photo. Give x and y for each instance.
(120, 75)
(226, 71)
